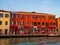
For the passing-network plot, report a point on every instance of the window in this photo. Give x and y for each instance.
(35, 23)
(21, 23)
(52, 17)
(42, 23)
(16, 22)
(12, 15)
(26, 30)
(16, 30)
(6, 15)
(1, 15)
(38, 17)
(6, 23)
(30, 16)
(46, 23)
(43, 17)
(12, 22)
(46, 17)
(38, 29)
(16, 16)
(31, 29)
(26, 23)
(31, 23)
(38, 23)
(21, 16)
(51, 23)
(35, 17)
(26, 16)
(0, 22)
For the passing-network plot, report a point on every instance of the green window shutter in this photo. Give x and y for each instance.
(0, 22)
(6, 23)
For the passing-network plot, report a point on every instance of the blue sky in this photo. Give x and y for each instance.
(44, 6)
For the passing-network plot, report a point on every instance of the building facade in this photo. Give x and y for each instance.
(32, 23)
(58, 23)
(4, 22)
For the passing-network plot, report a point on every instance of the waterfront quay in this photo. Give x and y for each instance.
(28, 35)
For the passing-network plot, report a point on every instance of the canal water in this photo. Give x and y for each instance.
(30, 41)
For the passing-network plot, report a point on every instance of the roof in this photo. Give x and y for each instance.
(4, 11)
(34, 13)
(22, 12)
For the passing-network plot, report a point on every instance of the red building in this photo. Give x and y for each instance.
(32, 22)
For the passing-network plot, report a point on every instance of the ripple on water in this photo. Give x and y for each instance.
(28, 43)
(35, 43)
(53, 44)
(47, 42)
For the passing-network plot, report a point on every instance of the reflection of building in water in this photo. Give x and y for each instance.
(4, 42)
(30, 40)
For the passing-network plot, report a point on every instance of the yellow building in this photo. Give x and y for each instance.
(4, 22)
(58, 23)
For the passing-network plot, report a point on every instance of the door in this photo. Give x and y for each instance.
(6, 31)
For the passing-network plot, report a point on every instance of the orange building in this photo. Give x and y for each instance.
(4, 22)
(32, 23)
(58, 23)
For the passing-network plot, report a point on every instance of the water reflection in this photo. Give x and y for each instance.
(31, 41)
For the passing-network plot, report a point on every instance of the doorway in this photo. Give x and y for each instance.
(6, 30)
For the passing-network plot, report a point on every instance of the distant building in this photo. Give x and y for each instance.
(58, 23)
(32, 22)
(4, 22)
